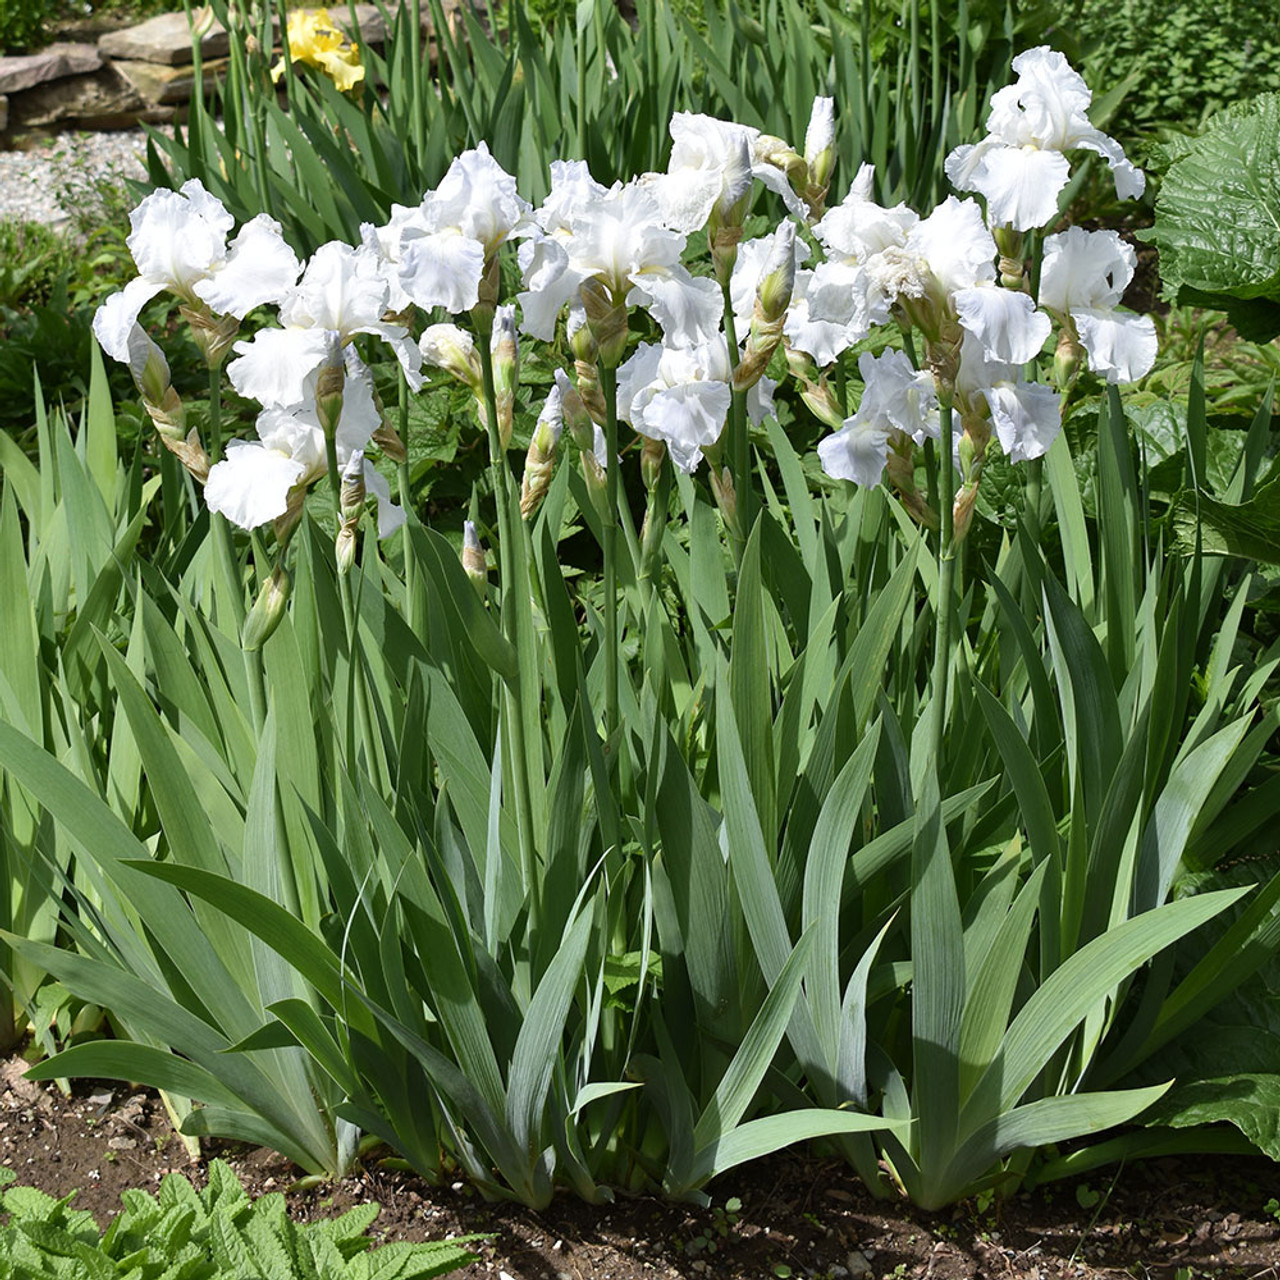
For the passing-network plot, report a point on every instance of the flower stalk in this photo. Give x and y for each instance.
(514, 615)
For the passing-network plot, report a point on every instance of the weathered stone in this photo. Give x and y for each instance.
(165, 38)
(160, 85)
(77, 101)
(53, 63)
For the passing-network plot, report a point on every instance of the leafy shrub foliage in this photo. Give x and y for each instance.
(1183, 59)
(23, 23)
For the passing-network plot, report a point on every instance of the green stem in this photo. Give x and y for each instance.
(1035, 478)
(509, 529)
(946, 588)
(227, 567)
(358, 687)
(406, 499)
(253, 657)
(739, 441)
(609, 387)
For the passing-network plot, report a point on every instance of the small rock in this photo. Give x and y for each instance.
(858, 1263)
(122, 1144)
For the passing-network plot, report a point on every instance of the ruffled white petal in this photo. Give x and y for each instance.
(260, 268)
(828, 312)
(179, 236)
(687, 307)
(857, 452)
(896, 395)
(1085, 269)
(956, 244)
(478, 199)
(117, 318)
(1022, 185)
(552, 283)
(274, 366)
(342, 288)
(1005, 321)
(1026, 416)
(443, 270)
(1121, 346)
(250, 486)
(859, 228)
(688, 417)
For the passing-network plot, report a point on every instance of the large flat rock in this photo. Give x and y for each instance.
(166, 39)
(101, 99)
(160, 85)
(54, 63)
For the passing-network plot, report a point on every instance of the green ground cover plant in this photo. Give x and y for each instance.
(203, 1235)
(1181, 61)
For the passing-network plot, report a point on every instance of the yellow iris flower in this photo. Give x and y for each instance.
(315, 40)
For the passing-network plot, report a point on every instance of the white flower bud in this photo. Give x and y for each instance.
(268, 610)
(820, 136)
(473, 557)
(447, 347)
(506, 368)
(540, 461)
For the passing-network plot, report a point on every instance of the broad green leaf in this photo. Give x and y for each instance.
(538, 1046)
(768, 1134)
(1037, 1124)
(1218, 213)
(739, 1083)
(1065, 998)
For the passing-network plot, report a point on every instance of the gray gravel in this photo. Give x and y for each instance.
(36, 185)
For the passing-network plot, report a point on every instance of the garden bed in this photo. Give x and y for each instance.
(799, 1215)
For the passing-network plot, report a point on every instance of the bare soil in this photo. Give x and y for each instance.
(800, 1216)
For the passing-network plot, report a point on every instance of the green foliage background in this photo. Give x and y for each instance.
(23, 22)
(1185, 58)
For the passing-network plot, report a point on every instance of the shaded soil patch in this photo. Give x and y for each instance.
(799, 1215)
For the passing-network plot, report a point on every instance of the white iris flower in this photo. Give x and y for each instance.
(898, 402)
(259, 480)
(1019, 166)
(1082, 278)
(616, 236)
(342, 292)
(439, 252)
(179, 244)
(681, 396)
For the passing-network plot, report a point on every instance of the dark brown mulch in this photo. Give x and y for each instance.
(800, 1216)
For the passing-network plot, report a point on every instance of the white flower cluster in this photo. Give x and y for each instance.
(953, 279)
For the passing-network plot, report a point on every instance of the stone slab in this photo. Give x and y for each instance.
(77, 101)
(166, 38)
(160, 85)
(54, 63)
